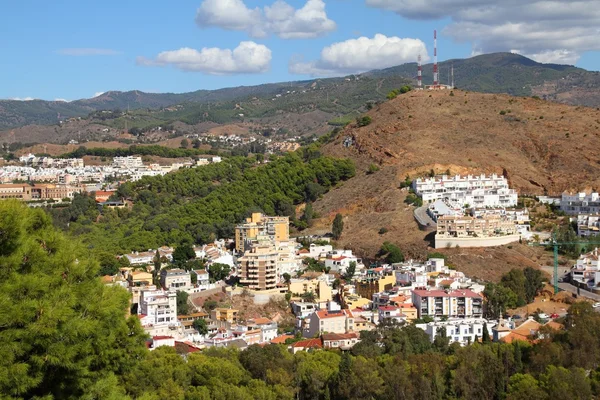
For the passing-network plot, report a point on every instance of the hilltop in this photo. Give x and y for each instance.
(332, 98)
(542, 147)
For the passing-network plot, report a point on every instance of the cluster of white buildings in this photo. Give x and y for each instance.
(73, 170)
(474, 191)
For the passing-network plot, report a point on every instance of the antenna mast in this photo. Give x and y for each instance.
(452, 74)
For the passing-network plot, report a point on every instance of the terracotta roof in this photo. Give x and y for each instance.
(162, 337)
(281, 339)
(309, 343)
(339, 336)
(388, 308)
(554, 325)
(261, 321)
(333, 314)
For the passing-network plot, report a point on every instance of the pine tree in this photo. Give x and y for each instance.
(485, 334)
(337, 227)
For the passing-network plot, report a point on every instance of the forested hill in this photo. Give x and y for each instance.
(201, 204)
(491, 73)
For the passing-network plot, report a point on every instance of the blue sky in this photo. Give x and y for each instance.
(72, 49)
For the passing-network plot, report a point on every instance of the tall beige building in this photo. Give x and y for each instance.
(258, 268)
(276, 228)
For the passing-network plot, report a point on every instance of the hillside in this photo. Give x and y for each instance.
(541, 147)
(491, 73)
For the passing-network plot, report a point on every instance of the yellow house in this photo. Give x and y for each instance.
(353, 301)
(320, 289)
(374, 284)
(225, 315)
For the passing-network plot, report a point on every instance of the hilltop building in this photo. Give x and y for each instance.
(580, 203)
(462, 231)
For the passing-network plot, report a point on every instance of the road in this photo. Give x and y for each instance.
(423, 218)
(583, 293)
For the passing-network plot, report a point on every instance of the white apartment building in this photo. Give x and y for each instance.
(128, 162)
(586, 270)
(158, 312)
(332, 320)
(463, 331)
(476, 191)
(463, 303)
(588, 225)
(441, 207)
(175, 279)
(580, 203)
(339, 261)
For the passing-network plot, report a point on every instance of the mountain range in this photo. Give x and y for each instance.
(489, 73)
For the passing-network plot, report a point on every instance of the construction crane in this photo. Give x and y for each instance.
(555, 245)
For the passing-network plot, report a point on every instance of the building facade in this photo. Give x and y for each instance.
(464, 231)
(258, 268)
(275, 228)
(445, 303)
(580, 203)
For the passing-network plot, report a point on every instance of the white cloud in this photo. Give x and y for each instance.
(280, 18)
(22, 98)
(98, 94)
(63, 100)
(362, 54)
(247, 58)
(88, 52)
(558, 31)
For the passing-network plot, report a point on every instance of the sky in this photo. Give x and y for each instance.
(73, 49)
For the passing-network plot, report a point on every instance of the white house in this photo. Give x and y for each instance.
(158, 312)
(580, 203)
(463, 331)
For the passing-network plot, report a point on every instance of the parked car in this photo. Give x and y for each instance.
(596, 305)
(543, 316)
(516, 316)
(554, 315)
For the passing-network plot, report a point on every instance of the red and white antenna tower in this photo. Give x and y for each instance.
(435, 64)
(419, 74)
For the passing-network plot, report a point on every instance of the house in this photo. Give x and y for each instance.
(303, 310)
(141, 258)
(391, 314)
(586, 271)
(175, 279)
(158, 312)
(373, 283)
(320, 289)
(229, 315)
(332, 320)
(267, 328)
(163, 340)
(463, 331)
(304, 345)
(343, 341)
(339, 261)
(462, 303)
(526, 332)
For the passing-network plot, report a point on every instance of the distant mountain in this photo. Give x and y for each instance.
(489, 73)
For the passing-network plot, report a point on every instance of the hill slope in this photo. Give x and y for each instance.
(492, 73)
(542, 147)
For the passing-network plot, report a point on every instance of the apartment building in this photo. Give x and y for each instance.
(580, 203)
(462, 303)
(463, 331)
(19, 191)
(258, 268)
(476, 191)
(374, 283)
(228, 315)
(275, 228)
(489, 230)
(320, 289)
(588, 225)
(127, 162)
(175, 279)
(158, 311)
(586, 271)
(54, 192)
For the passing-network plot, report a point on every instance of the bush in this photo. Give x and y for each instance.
(373, 168)
(364, 121)
(502, 112)
(383, 231)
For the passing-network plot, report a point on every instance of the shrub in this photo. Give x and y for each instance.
(364, 121)
(383, 231)
(372, 169)
(502, 112)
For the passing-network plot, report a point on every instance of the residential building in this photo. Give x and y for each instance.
(267, 328)
(444, 303)
(373, 283)
(228, 315)
(307, 344)
(258, 268)
(128, 162)
(586, 271)
(391, 314)
(588, 225)
(490, 230)
(158, 312)
(339, 261)
(580, 203)
(441, 207)
(319, 288)
(302, 310)
(463, 331)
(175, 279)
(20, 191)
(332, 320)
(276, 228)
(202, 277)
(342, 341)
(475, 191)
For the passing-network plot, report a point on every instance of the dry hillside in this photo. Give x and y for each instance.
(540, 146)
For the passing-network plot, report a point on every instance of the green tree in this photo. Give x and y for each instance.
(534, 283)
(109, 264)
(350, 271)
(338, 226)
(287, 278)
(200, 325)
(498, 300)
(405, 89)
(515, 280)
(183, 253)
(364, 121)
(525, 387)
(182, 303)
(218, 271)
(62, 331)
(485, 335)
(308, 214)
(391, 252)
(184, 143)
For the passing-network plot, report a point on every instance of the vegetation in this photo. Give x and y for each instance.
(200, 325)
(363, 121)
(200, 204)
(135, 150)
(372, 169)
(391, 253)
(516, 289)
(338, 226)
